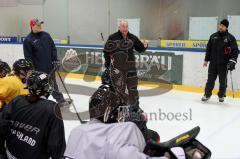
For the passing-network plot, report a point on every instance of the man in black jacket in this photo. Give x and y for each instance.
(119, 53)
(222, 53)
(40, 49)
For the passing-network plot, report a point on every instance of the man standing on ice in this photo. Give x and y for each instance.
(123, 43)
(40, 49)
(222, 53)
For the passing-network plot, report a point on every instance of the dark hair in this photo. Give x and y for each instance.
(225, 22)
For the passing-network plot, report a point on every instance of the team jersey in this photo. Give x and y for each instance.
(36, 130)
(11, 87)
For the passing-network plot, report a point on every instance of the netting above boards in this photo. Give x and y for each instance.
(234, 25)
(200, 28)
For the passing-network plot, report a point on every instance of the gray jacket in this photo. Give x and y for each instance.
(96, 140)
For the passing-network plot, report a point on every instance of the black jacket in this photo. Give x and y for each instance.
(35, 131)
(137, 45)
(40, 49)
(217, 43)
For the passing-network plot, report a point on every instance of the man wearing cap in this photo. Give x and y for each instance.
(221, 54)
(40, 49)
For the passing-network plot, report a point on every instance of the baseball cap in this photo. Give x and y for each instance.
(34, 22)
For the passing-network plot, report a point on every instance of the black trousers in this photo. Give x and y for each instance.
(125, 79)
(215, 70)
(58, 96)
(132, 83)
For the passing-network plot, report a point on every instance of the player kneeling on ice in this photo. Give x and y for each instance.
(13, 85)
(118, 132)
(31, 125)
(4, 71)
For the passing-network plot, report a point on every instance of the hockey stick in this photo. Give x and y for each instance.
(102, 37)
(232, 84)
(50, 76)
(79, 118)
(53, 72)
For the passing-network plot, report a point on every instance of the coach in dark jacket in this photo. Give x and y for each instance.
(123, 44)
(222, 53)
(40, 49)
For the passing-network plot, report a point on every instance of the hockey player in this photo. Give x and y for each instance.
(35, 129)
(13, 85)
(104, 136)
(4, 71)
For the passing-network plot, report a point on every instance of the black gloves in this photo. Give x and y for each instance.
(231, 65)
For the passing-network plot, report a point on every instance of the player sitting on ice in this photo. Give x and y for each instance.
(114, 131)
(13, 85)
(4, 71)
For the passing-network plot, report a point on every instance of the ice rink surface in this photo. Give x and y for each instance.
(175, 112)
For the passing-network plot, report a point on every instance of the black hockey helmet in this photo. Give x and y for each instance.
(4, 69)
(22, 66)
(103, 104)
(38, 84)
